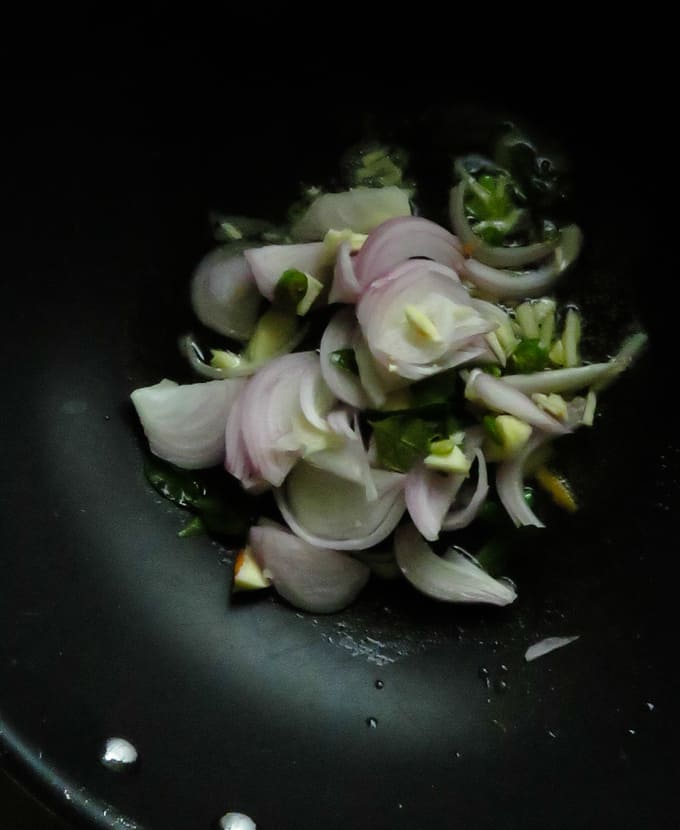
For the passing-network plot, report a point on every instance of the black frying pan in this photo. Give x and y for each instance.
(399, 712)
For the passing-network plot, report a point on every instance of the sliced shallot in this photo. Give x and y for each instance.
(562, 380)
(508, 285)
(185, 424)
(345, 287)
(224, 295)
(329, 511)
(510, 483)
(339, 334)
(498, 256)
(501, 397)
(429, 494)
(360, 209)
(400, 239)
(463, 516)
(272, 423)
(419, 320)
(319, 580)
(455, 579)
(270, 261)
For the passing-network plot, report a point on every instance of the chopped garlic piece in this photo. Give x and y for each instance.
(513, 432)
(333, 240)
(453, 462)
(422, 323)
(589, 409)
(496, 347)
(527, 319)
(571, 337)
(248, 576)
(314, 288)
(224, 360)
(556, 353)
(552, 403)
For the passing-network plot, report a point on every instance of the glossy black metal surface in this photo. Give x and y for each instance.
(113, 626)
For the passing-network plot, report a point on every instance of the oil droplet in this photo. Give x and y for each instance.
(503, 668)
(552, 734)
(500, 686)
(483, 674)
(379, 684)
(372, 723)
(650, 706)
(118, 754)
(459, 754)
(236, 821)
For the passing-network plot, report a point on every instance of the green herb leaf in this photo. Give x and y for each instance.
(490, 202)
(439, 388)
(178, 486)
(345, 359)
(493, 556)
(217, 500)
(530, 355)
(401, 441)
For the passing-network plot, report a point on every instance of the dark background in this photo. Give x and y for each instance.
(67, 137)
(20, 811)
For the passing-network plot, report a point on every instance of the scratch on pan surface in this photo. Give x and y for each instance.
(377, 647)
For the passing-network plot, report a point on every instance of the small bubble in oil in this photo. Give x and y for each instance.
(500, 686)
(372, 723)
(379, 684)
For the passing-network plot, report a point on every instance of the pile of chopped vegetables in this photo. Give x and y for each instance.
(441, 371)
